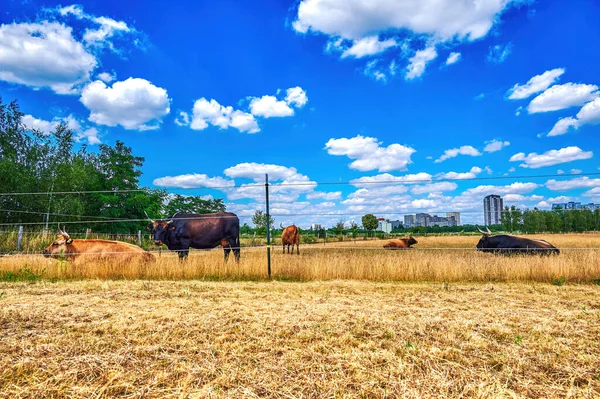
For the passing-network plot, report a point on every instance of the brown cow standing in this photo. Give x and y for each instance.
(402, 243)
(290, 236)
(66, 247)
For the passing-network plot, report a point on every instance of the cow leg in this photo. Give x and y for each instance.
(183, 254)
(226, 249)
(283, 247)
(297, 248)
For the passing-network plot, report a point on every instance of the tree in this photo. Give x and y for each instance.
(260, 221)
(354, 229)
(505, 219)
(369, 222)
(338, 228)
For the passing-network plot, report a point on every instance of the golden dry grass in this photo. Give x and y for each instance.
(161, 339)
(433, 259)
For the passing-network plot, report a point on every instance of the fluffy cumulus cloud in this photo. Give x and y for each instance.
(269, 106)
(193, 180)
(106, 77)
(81, 134)
(499, 53)
(552, 157)
(369, 154)
(207, 113)
(535, 85)
(135, 104)
(56, 53)
(495, 145)
(454, 152)
(453, 58)
(419, 61)
(514, 188)
(370, 26)
(434, 188)
(563, 96)
(589, 114)
(471, 174)
(44, 55)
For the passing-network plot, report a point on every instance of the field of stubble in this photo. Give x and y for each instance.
(192, 339)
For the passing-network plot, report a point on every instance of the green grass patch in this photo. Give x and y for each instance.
(23, 274)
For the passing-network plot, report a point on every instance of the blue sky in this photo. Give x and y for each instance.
(215, 94)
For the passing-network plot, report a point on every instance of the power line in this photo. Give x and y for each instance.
(355, 182)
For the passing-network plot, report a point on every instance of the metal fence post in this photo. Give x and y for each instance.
(268, 226)
(140, 237)
(20, 238)
(87, 233)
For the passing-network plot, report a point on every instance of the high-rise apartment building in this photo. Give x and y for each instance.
(455, 215)
(492, 209)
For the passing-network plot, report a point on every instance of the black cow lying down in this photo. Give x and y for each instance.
(509, 244)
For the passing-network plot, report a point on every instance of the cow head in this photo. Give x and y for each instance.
(411, 241)
(483, 241)
(160, 229)
(60, 247)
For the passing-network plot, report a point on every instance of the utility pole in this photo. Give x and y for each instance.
(268, 226)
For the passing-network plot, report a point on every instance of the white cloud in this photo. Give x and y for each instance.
(594, 192)
(578, 182)
(475, 170)
(183, 119)
(269, 106)
(560, 172)
(512, 169)
(193, 180)
(576, 171)
(354, 19)
(495, 145)
(588, 114)
(135, 104)
(106, 77)
(454, 152)
(562, 126)
(453, 58)
(90, 134)
(368, 154)
(419, 61)
(367, 46)
(563, 96)
(534, 85)
(104, 29)
(371, 70)
(41, 125)
(514, 188)
(369, 181)
(498, 53)
(283, 175)
(211, 112)
(552, 157)
(522, 198)
(296, 96)
(44, 55)
(333, 195)
(434, 188)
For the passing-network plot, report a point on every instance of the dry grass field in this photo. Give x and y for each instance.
(450, 259)
(193, 339)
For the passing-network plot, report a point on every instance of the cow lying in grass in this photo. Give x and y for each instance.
(509, 244)
(68, 248)
(400, 243)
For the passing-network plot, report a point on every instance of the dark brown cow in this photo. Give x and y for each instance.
(402, 243)
(290, 236)
(66, 247)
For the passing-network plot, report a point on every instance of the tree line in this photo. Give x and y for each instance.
(32, 161)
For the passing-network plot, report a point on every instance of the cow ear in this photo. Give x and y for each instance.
(69, 241)
(171, 227)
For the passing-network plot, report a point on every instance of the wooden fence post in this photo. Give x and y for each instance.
(20, 238)
(87, 233)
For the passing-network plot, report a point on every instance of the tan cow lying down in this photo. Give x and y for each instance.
(401, 243)
(66, 247)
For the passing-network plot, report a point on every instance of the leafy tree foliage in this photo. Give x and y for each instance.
(260, 221)
(369, 222)
(65, 172)
(192, 204)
